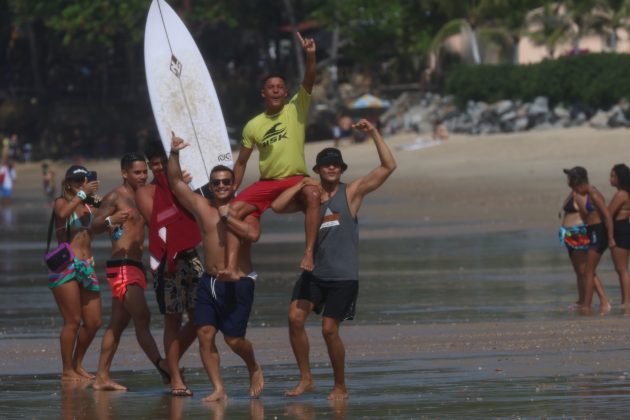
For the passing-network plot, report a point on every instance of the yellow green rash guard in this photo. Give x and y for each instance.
(280, 138)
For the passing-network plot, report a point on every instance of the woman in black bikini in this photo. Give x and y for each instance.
(619, 208)
(599, 230)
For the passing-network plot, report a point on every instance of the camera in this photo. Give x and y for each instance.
(91, 176)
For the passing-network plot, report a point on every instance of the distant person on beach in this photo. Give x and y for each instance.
(176, 267)
(440, 132)
(332, 287)
(279, 135)
(342, 130)
(221, 305)
(125, 272)
(76, 289)
(619, 208)
(8, 175)
(573, 235)
(599, 230)
(48, 182)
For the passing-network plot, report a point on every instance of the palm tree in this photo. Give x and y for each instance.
(615, 15)
(550, 26)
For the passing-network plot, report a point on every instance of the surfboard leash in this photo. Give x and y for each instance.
(176, 68)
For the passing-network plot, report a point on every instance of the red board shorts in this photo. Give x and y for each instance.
(122, 273)
(262, 193)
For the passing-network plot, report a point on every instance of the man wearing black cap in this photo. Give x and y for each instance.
(332, 287)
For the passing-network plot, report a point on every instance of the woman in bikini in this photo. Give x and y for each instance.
(573, 236)
(619, 208)
(599, 230)
(76, 289)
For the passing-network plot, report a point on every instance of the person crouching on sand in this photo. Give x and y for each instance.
(599, 230)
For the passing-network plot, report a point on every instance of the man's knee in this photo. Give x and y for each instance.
(206, 334)
(330, 329)
(297, 317)
(311, 196)
(235, 343)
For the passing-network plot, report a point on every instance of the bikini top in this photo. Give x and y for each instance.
(569, 206)
(76, 222)
(589, 204)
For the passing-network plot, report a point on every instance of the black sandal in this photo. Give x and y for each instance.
(166, 377)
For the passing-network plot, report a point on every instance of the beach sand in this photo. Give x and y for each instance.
(465, 185)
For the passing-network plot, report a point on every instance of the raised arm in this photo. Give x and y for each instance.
(364, 185)
(185, 196)
(63, 208)
(286, 203)
(240, 165)
(309, 47)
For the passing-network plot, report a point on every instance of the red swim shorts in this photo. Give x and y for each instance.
(122, 273)
(262, 193)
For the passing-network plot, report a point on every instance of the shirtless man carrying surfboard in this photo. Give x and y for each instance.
(279, 135)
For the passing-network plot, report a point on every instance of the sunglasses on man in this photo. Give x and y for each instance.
(225, 181)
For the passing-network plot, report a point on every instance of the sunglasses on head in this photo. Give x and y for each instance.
(225, 181)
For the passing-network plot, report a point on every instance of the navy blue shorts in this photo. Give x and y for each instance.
(333, 299)
(225, 305)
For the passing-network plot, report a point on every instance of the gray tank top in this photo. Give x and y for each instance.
(337, 246)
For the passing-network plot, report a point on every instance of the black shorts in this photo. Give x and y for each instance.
(337, 298)
(225, 305)
(598, 236)
(622, 233)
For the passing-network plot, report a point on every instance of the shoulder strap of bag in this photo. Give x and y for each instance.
(50, 230)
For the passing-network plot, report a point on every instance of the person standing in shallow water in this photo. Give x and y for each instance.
(619, 208)
(332, 287)
(76, 289)
(221, 305)
(599, 230)
(125, 272)
(574, 237)
(176, 267)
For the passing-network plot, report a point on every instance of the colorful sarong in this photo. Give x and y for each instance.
(80, 270)
(574, 237)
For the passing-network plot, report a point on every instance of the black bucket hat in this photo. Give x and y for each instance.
(330, 155)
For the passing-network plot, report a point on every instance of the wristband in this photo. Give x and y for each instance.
(81, 194)
(108, 221)
(174, 152)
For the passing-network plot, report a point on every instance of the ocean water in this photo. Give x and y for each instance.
(457, 278)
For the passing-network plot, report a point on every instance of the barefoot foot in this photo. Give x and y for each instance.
(338, 393)
(257, 382)
(215, 396)
(107, 384)
(302, 387)
(84, 373)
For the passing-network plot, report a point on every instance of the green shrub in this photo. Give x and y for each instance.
(595, 80)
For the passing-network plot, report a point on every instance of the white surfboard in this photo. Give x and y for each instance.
(183, 97)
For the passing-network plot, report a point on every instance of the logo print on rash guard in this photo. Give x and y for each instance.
(274, 134)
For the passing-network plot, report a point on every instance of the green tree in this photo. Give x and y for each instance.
(550, 26)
